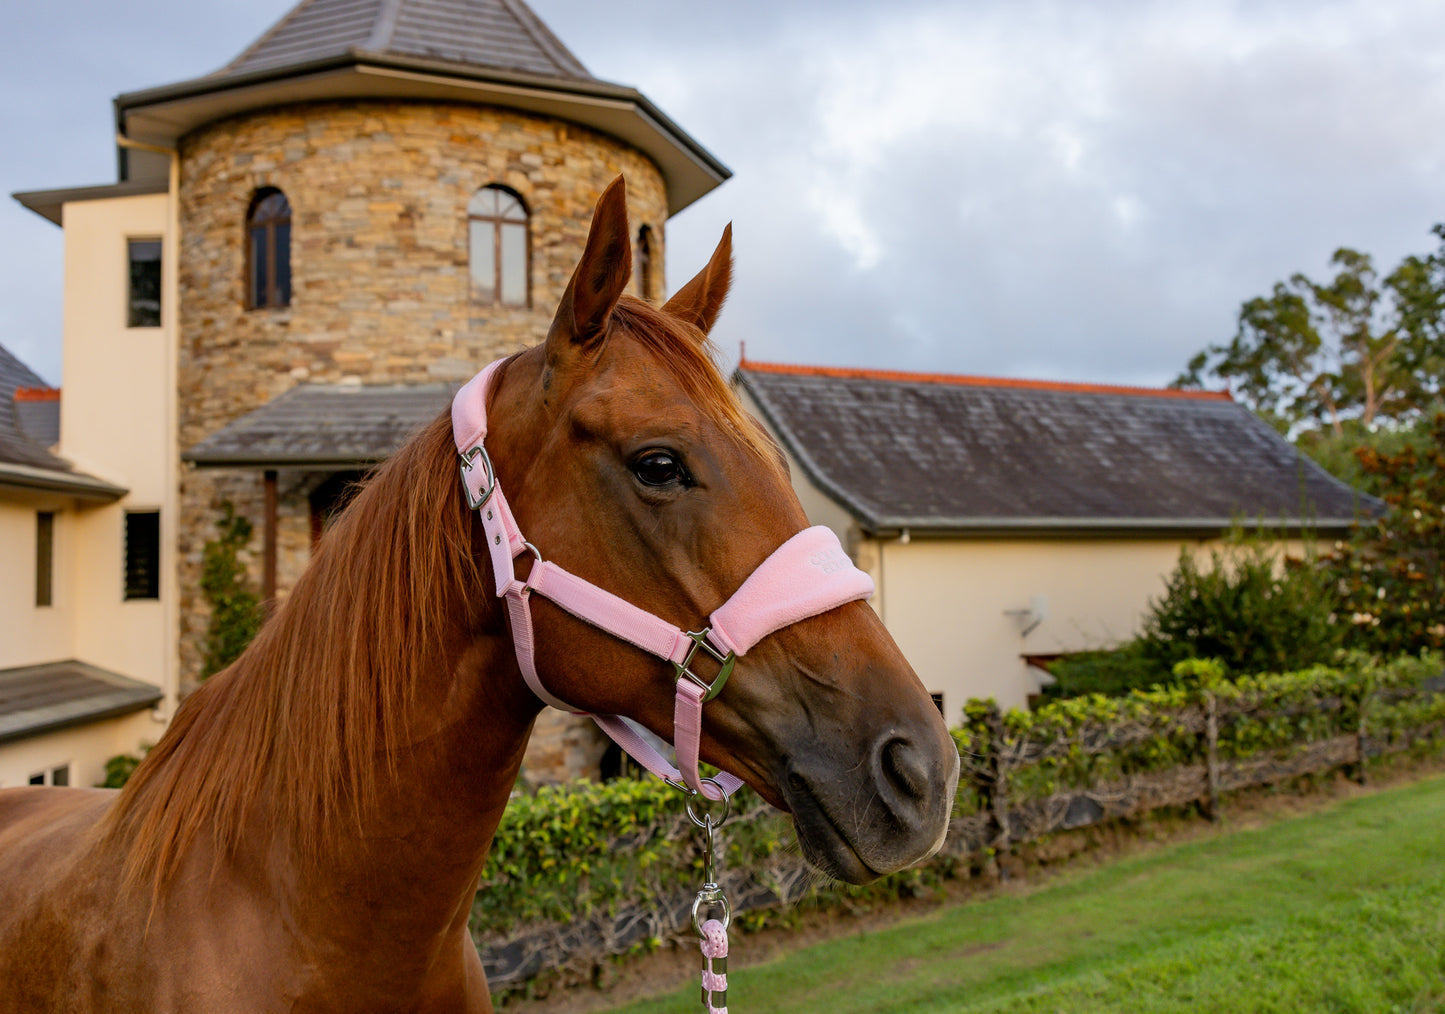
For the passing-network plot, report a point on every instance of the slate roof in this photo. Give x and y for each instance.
(499, 34)
(325, 426)
(967, 454)
(23, 461)
(36, 699)
(15, 445)
(488, 52)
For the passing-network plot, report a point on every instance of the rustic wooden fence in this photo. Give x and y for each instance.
(1024, 777)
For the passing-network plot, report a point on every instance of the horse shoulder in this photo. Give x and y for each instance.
(55, 910)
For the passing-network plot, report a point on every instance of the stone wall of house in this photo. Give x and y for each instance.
(380, 285)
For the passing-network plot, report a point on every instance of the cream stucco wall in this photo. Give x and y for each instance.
(85, 749)
(959, 607)
(30, 634)
(117, 423)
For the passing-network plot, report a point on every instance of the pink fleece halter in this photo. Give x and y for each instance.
(807, 575)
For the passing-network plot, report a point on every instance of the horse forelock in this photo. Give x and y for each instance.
(689, 356)
(328, 683)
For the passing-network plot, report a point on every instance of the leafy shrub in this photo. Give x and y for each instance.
(235, 608)
(118, 770)
(1389, 574)
(1251, 608)
(1111, 673)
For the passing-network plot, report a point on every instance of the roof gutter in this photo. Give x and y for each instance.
(1101, 528)
(83, 487)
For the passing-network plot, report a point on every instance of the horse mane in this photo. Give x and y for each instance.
(327, 682)
(330, 679)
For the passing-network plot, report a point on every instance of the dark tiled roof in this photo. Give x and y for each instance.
(36, 699)
(496, 34)
(15, 446)
(37, 411)
(325, 426)
(972, 454)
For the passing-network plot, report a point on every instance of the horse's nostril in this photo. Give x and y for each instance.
(904, 768)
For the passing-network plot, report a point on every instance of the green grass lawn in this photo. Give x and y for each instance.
(1340, 910)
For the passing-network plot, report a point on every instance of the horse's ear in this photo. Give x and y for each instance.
(600, 277)
(700, 301)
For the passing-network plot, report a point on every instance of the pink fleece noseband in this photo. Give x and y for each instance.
(807, 575)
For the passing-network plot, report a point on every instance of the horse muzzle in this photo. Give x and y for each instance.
(863, 820)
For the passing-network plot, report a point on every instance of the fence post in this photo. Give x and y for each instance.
(998, 801)
(1211, 755)
(1362, 707)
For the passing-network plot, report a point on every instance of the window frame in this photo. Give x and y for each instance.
(44, 559)
(131, 300)
(139, 582)
(646, 259)
(496, 222)
(53, 776)
(273, 299)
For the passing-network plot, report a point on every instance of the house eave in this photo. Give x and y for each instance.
(161, 116)
(1101, 528)
(44, 480)
(50, 204)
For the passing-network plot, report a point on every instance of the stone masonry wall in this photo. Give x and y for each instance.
(380, 286)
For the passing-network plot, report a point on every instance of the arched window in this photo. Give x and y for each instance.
(268, 249)
(499, 247)
(646, 272)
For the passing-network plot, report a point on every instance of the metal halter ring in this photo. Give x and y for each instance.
(705, 820)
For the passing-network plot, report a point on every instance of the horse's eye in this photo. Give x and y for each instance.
(658, 468)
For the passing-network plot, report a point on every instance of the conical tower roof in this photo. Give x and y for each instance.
(496, 34)
(490, 52)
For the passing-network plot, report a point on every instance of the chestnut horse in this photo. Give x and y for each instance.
(309, 833)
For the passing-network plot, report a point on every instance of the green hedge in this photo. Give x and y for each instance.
(589, 849)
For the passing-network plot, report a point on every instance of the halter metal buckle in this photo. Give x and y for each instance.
(489, 476)
(681, 669)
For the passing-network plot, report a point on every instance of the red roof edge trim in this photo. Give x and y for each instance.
(905, 376)
(37, 394)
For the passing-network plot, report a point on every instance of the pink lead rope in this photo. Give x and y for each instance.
(807, 575)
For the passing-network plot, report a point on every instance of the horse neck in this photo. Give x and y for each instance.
(362, 750)
(433, 731)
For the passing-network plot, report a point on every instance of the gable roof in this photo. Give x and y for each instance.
(494, 52)
(23, 462)
(324, 426)
(961, 454)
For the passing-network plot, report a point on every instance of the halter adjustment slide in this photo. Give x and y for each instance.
(682, 669)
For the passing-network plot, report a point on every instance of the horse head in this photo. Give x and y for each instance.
(628, 461)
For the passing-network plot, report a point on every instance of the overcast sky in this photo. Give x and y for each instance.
(1065, 190)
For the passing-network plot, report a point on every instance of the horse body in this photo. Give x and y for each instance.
(309, 833)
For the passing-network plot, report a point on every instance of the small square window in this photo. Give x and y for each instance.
(144, 296)
(142, 555)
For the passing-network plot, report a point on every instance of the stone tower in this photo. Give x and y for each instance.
(372, 201)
